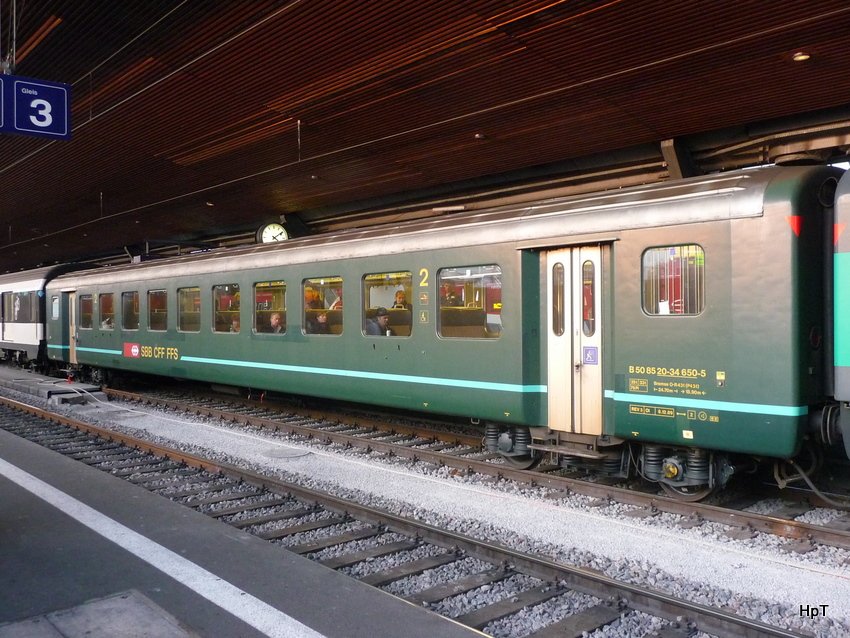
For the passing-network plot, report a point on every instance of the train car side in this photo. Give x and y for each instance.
(737, 364)
(446, 359)
(728, 349)
(681, 330)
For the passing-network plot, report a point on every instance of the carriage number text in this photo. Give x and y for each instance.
(686, 373)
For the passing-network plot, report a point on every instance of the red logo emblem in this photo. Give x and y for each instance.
(132, 350)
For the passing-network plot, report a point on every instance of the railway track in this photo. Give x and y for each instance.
(347, 536)
(463, 453)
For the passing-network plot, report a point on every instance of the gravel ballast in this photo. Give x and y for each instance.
(753, 577)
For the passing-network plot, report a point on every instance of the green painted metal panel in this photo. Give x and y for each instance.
(741, 374)
(718, 428)
(507, 402)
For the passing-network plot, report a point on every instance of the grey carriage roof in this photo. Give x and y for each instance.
(545, 223)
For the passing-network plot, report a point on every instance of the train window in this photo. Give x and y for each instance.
(588, 299)
(226, 308)
(54, 308)
(558, 292)
(390, 290)
(270, 306)
(470, 302)
(86, 309)
(157, 310)
(20, 307)
(189, 309)
(322, 305)
(130, 310)
(674, 280)
(107, 311)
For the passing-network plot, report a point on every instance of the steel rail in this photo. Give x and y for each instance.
(777, 526)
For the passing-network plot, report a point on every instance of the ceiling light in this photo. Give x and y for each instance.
(800, 56)
(448, 209)
(480, 136)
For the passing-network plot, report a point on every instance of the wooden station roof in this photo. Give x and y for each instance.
(195, 121)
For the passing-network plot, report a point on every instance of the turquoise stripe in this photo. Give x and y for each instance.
(724, 406)
(841, 310)
(81, 349)
(100, 351)
(356, 374)
(360, 374)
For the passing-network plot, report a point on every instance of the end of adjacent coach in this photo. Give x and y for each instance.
(841, 306)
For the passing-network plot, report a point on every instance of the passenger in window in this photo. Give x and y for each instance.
(106, 324)
(311, 298)
(234, 324)
(451, 298)
(379, 324)
(400, 302)
(274, 321)
(318, 325)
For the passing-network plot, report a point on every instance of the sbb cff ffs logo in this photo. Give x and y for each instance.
(138, 351)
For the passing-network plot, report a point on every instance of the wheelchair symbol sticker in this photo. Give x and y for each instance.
(590, 355)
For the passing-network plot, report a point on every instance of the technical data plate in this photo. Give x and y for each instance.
(129, 614)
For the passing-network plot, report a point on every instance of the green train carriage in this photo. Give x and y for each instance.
(677, 328)
(425, 369)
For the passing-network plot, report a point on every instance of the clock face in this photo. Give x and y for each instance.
(271, 233)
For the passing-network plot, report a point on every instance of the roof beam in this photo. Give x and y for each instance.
(678, 159)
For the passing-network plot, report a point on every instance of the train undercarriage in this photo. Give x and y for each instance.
(17, 357)
(687, 474)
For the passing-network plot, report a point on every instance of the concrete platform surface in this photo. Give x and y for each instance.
(77, 544)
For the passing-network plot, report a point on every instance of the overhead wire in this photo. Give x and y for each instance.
(7, 62)
(91, 71)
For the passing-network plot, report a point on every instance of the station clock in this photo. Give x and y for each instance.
(270, 233)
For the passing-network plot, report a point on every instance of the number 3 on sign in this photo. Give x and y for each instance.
(43, 116)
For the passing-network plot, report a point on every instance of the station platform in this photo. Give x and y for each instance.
(51, 389)
(83, 553)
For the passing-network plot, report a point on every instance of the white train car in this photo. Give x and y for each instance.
(23, 313)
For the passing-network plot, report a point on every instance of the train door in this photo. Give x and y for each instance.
(574, 277)
(72, 327)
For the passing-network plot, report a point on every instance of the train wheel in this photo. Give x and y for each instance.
(512, 444)
(523, 462)
(687, 493)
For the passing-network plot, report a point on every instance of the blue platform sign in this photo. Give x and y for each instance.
(35, 107)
